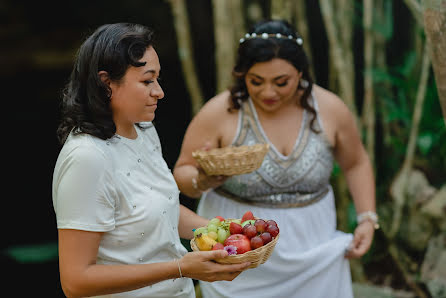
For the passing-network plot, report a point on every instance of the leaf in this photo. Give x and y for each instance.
(351, 217)
(425, 142)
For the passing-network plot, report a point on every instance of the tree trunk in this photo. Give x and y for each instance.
(225, 42)
(282, 9)
(300, 12)
(435, 29)
(340, 53)
(399, 184)
(368, 111)
(181, 23)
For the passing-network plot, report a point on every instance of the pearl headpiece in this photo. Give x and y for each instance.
(298, 40)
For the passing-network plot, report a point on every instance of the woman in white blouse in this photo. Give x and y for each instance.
(116, 202)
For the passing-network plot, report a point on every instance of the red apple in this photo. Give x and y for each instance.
(248, 215)
(218, 246)
(249, 230)
(266, 237)
(220, 218)
(235, 228)
(240, 241)
(260, 225)
(273, 230)
(256, 242)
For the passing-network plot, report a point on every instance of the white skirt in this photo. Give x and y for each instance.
(308, 260)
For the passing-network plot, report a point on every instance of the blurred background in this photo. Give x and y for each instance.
(381, 57)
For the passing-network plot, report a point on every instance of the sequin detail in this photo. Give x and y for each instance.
(298, 179)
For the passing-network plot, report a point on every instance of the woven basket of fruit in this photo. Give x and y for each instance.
(231, 160)
(248, 239)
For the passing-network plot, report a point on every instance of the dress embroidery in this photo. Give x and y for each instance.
(296, 180)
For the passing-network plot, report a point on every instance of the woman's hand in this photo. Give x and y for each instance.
(362, 240)
(205, 182)
(200, 265)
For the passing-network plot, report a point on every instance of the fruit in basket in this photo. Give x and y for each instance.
(247, 216)
(212, 228)
(200, 230)
(218, 246)
(256, 242)
(235, 228)
(222, 234)
(260, 225)
(249, 230)
(220, 218)
(271, 222)
(240, 241)
(248, 222)
(266, 237)
(273, 230)
(204, 242)
(213, 235)
(215, 221)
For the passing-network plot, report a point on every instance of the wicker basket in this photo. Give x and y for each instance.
(256, 257)
(230, 161)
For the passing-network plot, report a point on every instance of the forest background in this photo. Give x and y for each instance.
(385, 58)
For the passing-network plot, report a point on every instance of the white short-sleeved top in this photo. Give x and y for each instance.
(124, 188)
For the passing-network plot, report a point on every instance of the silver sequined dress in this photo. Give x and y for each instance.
(294, 190)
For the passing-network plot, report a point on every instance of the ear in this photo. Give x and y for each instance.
(103, 75)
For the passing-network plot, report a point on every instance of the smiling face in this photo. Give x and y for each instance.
(134, 98)
(272, 84)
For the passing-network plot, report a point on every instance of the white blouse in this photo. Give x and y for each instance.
(124, 188)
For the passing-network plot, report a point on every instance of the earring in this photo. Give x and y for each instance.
(304, 83)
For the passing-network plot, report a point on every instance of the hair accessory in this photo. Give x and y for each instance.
(265, 35)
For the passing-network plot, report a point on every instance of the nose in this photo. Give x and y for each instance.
(268, 91)
(157, 91)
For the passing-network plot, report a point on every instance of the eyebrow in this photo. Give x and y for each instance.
(276, 78)
(151, 71)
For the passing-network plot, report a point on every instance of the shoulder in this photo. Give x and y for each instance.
(84, 151)
(215, 109)
(331, 106)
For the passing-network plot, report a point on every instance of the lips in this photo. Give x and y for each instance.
(269, 101)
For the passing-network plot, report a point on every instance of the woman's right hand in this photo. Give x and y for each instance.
(205, 182)
(200, 265)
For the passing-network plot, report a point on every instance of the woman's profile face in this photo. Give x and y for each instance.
(272, 84)
(134, 98)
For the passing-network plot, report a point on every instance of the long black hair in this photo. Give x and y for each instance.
(254, 50)
(86, 99)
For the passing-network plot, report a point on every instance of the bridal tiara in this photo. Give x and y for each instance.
(298, 40)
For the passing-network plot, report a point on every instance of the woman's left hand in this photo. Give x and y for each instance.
(362, 240)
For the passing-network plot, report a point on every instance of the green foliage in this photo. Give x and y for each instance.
(33, 253)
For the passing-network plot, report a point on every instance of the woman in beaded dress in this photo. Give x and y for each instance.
(274, 101)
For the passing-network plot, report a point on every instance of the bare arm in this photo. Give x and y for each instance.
(81, 276)
(212, 127)
(189, 220)
(357, 168)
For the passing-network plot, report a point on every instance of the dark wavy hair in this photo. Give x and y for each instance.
(254, 50)
(86, 99)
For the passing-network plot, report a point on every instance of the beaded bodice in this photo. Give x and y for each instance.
(294, 180)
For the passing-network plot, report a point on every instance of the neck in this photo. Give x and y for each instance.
(127, 132)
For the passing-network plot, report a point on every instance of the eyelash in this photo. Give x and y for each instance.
(147, 82)
(255, 83)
